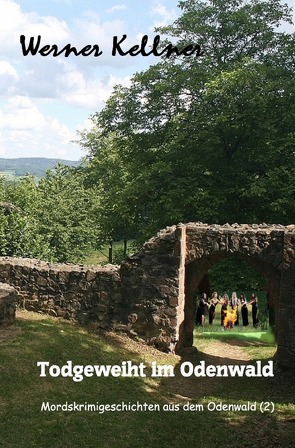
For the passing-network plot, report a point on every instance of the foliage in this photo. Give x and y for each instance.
(52, 220)
(202, 139)
(109, 174)
(20, 237)
(192, 139)
(234, 274)
(19, 230)
(66, 214)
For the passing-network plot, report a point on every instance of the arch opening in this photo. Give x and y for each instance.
(197, 281)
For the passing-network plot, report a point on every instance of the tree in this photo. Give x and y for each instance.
(54, 219)
(112, 179)
(235, 274)
(19, 228)
(65, 211)
(209, 138)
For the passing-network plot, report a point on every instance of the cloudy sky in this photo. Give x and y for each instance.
(45, 100)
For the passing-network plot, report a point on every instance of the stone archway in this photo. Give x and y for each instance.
(151, 294)
(159, 283)
(197, 270)
(223, 244)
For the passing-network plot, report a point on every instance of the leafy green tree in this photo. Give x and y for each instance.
(19, 228)
(234, 274)
(21, 237)
(65, 211)
(23, 193)
(54, 219)
(208, 138)
(110, 176)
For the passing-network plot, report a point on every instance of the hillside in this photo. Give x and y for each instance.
(37, 166)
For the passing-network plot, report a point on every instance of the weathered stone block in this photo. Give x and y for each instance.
(8, 299)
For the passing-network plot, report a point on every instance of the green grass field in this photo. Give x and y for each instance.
(39, 338)
(102, 256)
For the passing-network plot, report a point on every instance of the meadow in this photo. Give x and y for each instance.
(41, 338)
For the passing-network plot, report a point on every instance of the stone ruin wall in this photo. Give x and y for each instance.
(139, 297)
(263, 246)
(150, 294)
(152, 286)
(64, 290)
(8, 299)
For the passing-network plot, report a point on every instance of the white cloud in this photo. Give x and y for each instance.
(7, 69)
(79, 91)
(8, 78)
(23, 126)
(14, 22)
(67, 2)
(36, 90)
(116, 8)
(21, 113)
(163, 16)
(48, 28)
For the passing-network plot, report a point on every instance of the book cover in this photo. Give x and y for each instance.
(147, 249)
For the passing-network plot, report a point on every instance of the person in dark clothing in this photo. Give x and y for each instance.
(214, 301)
(201, 310)
(254, 303)
(244, 310)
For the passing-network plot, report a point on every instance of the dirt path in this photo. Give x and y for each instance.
(213, 353)
(226, 351)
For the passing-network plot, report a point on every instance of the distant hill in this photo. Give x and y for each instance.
(36, 166)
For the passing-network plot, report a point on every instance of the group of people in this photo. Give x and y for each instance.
(240, 305)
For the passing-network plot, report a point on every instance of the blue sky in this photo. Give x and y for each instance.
(44, 101)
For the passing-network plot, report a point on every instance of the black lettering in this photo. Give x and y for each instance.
(30, 48)
(134, 51)
(34, 47)
(47, 49)
(143, 45)
(199, 51)
(171, 49)
(188, 50)
(155, 45)
(116, 46)
(191, 49)
(86, 51)
(68, 49)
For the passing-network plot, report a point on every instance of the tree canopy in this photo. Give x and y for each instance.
(208, 138)
(54, 219)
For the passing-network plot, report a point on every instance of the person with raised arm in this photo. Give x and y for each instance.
(234, 301)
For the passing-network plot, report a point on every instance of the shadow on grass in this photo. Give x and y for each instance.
(22, 392)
